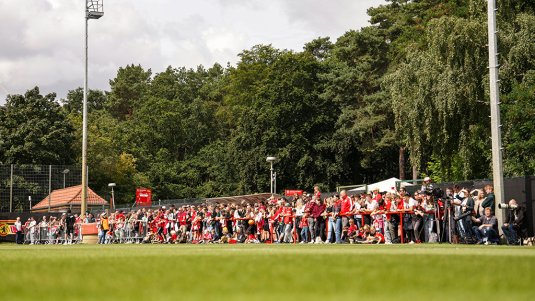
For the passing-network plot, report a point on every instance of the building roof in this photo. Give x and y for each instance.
(70, 196)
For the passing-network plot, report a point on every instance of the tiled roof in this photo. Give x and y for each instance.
(70, 196)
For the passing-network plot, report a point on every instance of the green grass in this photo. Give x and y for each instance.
(266, 272)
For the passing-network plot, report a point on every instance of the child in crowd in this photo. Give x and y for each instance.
(303, 224)
(352, 231)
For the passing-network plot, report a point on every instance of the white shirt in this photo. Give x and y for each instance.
(18, 226)
(32, 226)
(372, 205)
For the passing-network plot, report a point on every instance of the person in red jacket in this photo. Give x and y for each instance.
(287, 215)
(346, 208)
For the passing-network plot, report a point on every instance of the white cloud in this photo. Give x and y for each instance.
(42, 40)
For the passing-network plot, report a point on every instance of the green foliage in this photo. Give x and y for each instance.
(439, 96)
(96, 100)
(34, 130)
(335, 113)
(519, 126)
(127, 90)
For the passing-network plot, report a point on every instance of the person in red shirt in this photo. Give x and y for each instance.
(303, 224)
(310, 208)
(287, 215)
(346, 208)
(352, 231)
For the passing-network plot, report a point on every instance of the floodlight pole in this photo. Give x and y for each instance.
(93, 10)
(495, 123)
(83, 205)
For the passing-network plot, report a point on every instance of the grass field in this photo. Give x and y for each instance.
(266, 272)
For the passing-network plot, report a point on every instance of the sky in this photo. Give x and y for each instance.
(42, 41)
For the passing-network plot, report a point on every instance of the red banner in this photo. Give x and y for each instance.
(143, 197)
(292, 192)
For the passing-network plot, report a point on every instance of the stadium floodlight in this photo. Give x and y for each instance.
(94, 9)
(271, 160)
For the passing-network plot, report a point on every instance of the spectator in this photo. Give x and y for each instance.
(346, 208)
(489, 201)
(103, 227)
(320, 220)
(337, 207)
(392, 220)
(69, 226)
(514, 226)
(486, 233)
(18, 233)
(304, 228)
(331, 219)
(32, 230)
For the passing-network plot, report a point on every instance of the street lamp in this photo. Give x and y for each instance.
(64, 172)
(94, 9)
(111, 185)
(271, 160)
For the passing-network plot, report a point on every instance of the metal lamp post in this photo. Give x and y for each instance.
(271, 160)
(111, 185)
(94, 9)
(64, 172)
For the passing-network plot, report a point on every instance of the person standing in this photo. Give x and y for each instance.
(346, 208)
(69, 227)
(18, 228)
(489, 201)
(317, 192)
(33, 230)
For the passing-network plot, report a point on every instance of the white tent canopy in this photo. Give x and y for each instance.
(385, 185)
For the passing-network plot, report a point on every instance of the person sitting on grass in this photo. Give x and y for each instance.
(352, 231)
(149, 237)
(362, 234)
(373, 237)
(207, 236)
(486, 233)
(251, 232)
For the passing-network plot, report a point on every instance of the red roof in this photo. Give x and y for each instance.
(70, 196)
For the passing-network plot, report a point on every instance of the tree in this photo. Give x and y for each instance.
(96, 100)
(127, 90)
(440, 100)
(34, 130)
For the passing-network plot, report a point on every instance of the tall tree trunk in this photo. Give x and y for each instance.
(402, 163)
(415, 172)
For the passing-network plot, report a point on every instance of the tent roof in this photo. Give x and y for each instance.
(70, 196)
(385, 185)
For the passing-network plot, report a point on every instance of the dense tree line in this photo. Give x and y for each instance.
(406, 95)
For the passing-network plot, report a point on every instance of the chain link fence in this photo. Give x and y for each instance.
(23, 186)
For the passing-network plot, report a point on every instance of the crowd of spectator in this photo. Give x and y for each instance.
(52, 230)
(378, 217)
(386, 217)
